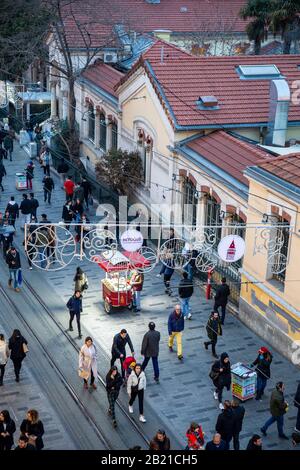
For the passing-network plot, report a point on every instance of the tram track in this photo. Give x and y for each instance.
(102, 436)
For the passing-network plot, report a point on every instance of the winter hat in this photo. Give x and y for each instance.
(263, 350)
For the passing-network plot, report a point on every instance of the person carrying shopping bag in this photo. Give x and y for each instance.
(88, 363)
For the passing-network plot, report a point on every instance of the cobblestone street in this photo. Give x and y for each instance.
(185, 392)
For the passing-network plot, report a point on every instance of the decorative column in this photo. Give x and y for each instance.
(108, 132)
(53, 100)
(97, 127)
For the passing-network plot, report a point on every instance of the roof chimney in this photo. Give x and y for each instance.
(207, 102)
(278, 112)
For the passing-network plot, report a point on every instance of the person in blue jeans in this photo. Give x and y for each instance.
(263, 364)
(150, 349)
(278, 408)
(14, 265)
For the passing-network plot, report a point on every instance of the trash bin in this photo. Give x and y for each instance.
(21, 182)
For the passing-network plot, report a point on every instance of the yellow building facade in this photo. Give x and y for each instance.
(270, 291)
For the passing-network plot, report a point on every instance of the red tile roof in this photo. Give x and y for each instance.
(99, 16)
(163, 51)
(228, 153)
(182, 81)
(103, 76)
(286, 167)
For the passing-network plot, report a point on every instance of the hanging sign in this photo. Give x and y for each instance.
(132, 240)
(231, 248)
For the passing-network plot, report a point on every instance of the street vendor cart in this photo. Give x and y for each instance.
(243, 381)
(116, 288)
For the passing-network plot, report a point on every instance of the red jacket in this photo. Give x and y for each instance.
(69, 187)
(195, 439)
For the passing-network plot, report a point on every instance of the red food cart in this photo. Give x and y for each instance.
(116, 289)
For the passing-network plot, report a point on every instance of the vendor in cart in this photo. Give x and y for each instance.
(137, 281)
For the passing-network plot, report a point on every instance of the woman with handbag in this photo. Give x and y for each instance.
(81, 280)
(221, 376)
(33, 428)
(88, 363)
(7, 429)
(136, 385)
(17, 345)
(4, 355)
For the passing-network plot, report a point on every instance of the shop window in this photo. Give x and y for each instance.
(114, 136)
(103, 130)
(280, 250)
(212, 218)
(189, 202)
(91, 123)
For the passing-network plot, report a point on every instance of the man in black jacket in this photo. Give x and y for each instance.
(87, 191)
(238, 413)
(185, 292)
(150, 349)
(34, 205)
(221, 298)
(13, 209)
(14, 265)
(225, 423)
(75, 308)
(25, 208)
(118, 349)
(297, 405)
(2, 173)
(48, 187)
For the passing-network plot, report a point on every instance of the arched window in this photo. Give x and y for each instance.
(212, 218)
(189, 202)
(91, 123)
(114, 136)
(145, 148)
(280, 249)
(102, 140)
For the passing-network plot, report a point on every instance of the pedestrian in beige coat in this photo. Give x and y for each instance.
(88, 363)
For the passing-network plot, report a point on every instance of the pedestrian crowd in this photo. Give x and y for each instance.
(129, 373)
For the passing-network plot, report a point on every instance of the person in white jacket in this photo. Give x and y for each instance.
(4, 355)
(88, 363)
(136, 385)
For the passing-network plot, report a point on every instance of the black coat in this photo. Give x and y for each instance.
(75, 304)
(67, 214)
(36, 429)
(48, 184)
(185, 289)
(16, 347)
(34, 205)
(13, 262)
(238, 413)
(297, 397)
(222, 295)
(25, 206)
(224, 378)
(211, 446)
(87, 189)
(150, 344)
(119, 345)
(113, 385)
(263, 365)
(7, 442)
(225, 424)
(13, 209)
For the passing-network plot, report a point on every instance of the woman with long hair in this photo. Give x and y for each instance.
(7, 429)
(33, 428)
(88, 362)
(113, 384)
(81, 280)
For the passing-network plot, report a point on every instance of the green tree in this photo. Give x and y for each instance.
(285, 19)
(259, 12)
(121, 170)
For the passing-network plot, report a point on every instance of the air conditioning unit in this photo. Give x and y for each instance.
(110, 57)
